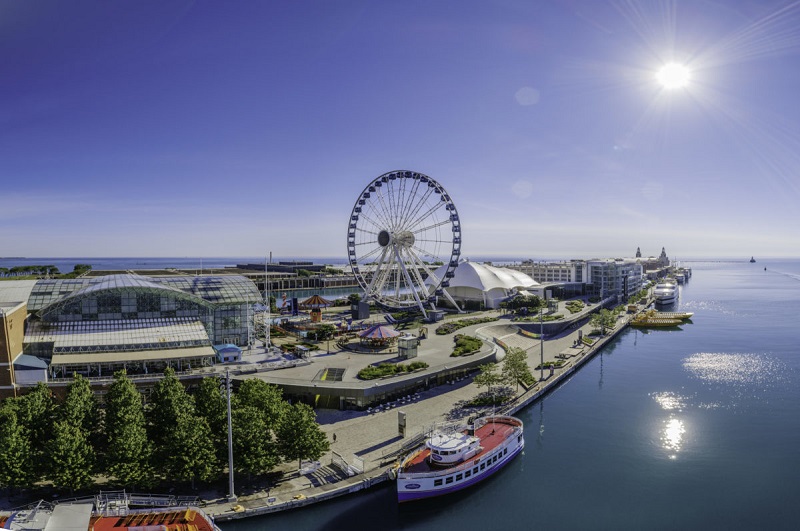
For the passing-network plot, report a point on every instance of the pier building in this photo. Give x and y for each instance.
(95, 326)
(481, 286)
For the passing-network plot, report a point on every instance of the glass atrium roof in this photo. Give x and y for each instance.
(223, 289)
(119, 335)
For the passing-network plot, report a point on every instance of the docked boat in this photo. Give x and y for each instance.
(675, 315)
(665, 292)
(449, 462)
(653, 318)
(96, 514)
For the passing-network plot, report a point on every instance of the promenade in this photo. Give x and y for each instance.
(373, 437)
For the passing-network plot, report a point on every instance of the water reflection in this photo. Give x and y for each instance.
(673, 428)
(715, 367)
(669, 401)
(672, 436)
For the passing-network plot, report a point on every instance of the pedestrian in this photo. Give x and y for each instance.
(334, 437)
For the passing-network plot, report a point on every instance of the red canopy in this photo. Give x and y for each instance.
(315, 302)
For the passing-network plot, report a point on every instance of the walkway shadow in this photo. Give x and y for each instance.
(374, 447)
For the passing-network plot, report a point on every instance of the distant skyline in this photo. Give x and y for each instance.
(211, 129)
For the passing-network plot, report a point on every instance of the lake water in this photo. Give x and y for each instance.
(697, 428)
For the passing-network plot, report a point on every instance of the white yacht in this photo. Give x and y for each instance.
(665, 292)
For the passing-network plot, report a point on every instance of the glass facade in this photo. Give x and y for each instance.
(223, 304)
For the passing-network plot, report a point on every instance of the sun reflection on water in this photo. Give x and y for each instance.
(672, 436)
(715, 367)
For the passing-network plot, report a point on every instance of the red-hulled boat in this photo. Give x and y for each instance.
(449, 462)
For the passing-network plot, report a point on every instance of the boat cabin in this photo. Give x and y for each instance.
(447, 449)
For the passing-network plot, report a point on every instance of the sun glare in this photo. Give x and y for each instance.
(673, 76)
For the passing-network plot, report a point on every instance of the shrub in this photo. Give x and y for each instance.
(372, 372)
(466, 345)
(574, 306)
(451, 326)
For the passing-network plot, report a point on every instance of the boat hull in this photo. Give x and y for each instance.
(405, 495)
(421, 485)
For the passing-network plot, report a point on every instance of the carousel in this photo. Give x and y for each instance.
(378, 336)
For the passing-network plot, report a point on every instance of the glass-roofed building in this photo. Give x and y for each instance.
(97, 325)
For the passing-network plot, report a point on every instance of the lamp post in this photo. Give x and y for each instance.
(231, 495)
(541, 344)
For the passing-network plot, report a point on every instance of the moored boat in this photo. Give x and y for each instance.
(665, 292)
(104, 513)
(449, 462)
(653, 318)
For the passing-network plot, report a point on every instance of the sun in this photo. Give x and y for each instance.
(673, 76)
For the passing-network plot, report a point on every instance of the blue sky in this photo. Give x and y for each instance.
(177, 128)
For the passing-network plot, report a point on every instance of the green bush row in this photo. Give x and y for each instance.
(451, 326)
(466, 345)
(388, 369)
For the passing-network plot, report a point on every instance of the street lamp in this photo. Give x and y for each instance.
(541, 344)
(231, 495)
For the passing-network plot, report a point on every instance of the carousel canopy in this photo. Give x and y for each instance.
(314, 302)
(378, 331)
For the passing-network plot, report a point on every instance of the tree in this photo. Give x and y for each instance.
(128, 452)
(16, 466)
(211, 404)
(36, 412)
(71, 456)
(515, 367)
(254, 448)
(191, 456)
(80, 406)
(323, 332)
(603, 320)
(488, 377)
(353, 298)
(170, 408)
(263, 397)
(299, 435)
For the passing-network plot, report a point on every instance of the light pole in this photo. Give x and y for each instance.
(231, 495)
(541, 344)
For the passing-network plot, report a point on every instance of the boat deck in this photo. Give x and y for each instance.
(179, 520)
(491, 435)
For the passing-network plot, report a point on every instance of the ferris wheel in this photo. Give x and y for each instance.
(404, 241)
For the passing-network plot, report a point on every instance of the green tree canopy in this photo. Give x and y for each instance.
(266, 398)
(16, 465)
(71, 455)
(488, 377)
(36, 412)
(80, 406)
(128, 452)
(299, 435)
(210, 403)
(191, 454)
(603, 320)
(254, 448)
(515, 368)
(170, 407)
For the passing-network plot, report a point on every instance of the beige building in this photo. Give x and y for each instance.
(13, 312)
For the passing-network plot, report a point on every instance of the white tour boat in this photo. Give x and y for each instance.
(449, 462)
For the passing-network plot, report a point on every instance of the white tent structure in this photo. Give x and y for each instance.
(474, 281)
